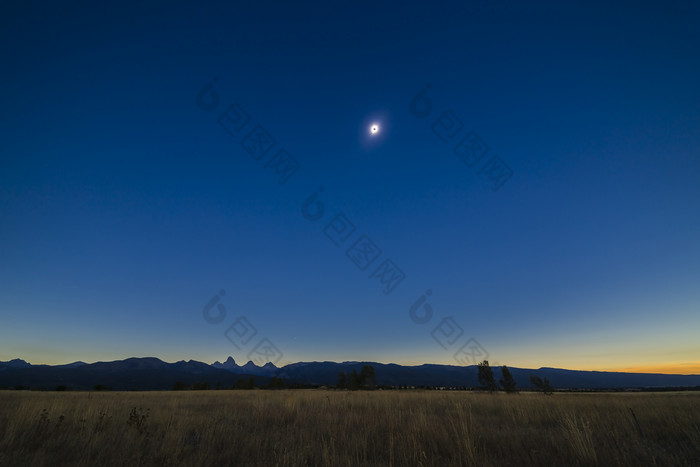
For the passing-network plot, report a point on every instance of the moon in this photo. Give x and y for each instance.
(374, 129)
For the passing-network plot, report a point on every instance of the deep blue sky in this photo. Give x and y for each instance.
(125, 207)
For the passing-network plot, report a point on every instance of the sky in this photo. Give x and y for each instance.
(197, 181)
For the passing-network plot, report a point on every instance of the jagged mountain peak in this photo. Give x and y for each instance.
(229, 364)
(16, 363)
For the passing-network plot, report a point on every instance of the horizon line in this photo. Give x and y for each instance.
(670, 369)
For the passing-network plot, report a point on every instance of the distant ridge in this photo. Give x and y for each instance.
(150, 373)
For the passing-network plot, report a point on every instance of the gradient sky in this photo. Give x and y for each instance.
(125, 206)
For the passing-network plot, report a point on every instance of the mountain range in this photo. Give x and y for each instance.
(151, 373)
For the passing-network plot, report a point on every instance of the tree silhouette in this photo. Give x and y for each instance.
(179, 386)
(542, 385)
(245, 384)
(342, 381)
(354, 381)
(507, 381)
(486, 379)
(367, 379)
(276, 383)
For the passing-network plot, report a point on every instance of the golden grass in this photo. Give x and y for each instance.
(339, 428)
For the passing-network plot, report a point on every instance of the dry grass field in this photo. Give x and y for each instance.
(338, 428)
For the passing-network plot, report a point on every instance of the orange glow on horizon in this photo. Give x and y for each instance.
(668, 369)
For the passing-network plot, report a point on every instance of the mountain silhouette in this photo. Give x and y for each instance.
(149, 373)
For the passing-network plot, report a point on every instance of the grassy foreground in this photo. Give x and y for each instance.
(319, 427)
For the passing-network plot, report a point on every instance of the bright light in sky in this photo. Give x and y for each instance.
(374, 129)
